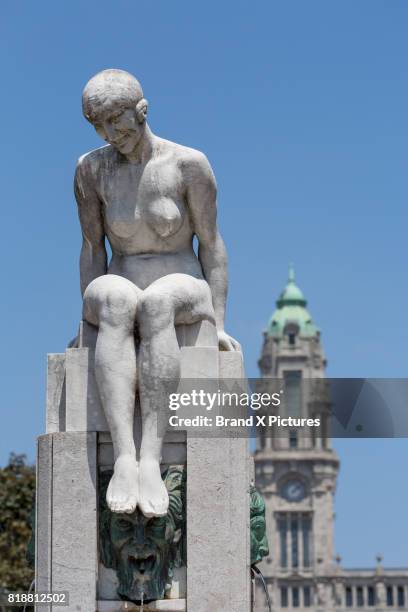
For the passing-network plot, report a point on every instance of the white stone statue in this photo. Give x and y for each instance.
(324, 596)
(149, 197)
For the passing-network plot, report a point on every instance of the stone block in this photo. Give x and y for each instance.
(84, 411)
(55, 393)
(87, 335)
(73, 402)
(74, 520)
(174, 449)
(43, 528)
(218, 477)
(200, 334)
(217, 507)
(108, 584)
(66, 531)
(166, 605)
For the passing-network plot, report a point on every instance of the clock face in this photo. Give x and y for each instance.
(293, 490)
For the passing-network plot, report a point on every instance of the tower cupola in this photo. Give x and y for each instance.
(291, 312)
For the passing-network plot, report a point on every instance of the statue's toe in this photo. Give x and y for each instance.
(123, 489)
(154, 507)
(122, 505)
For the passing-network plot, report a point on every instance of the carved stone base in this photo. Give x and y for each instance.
(166, 605)
(77, 446)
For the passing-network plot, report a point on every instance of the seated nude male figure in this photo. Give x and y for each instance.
(149, 197)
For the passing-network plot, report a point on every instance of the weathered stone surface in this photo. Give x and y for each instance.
(217, 507)
(55, 393)
(83, 407)
(87, 335)
(202, 333)
(67, 518)
(74, 520)
(218, 520)
(174, 449)
(166, 605)
(43, 533)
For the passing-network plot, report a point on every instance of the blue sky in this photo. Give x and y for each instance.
(301, 108)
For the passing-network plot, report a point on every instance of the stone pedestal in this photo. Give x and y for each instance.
(77, 444)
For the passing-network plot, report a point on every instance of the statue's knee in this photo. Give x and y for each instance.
(112, 300)
(154, 312)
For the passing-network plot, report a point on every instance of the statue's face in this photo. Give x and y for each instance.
(120, 128)
(259, 542)
(144, 551)
(142, 548)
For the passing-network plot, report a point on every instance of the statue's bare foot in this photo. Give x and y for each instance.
(123, 489)
(154, 499)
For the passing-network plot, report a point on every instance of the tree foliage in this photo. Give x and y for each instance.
(17, 490)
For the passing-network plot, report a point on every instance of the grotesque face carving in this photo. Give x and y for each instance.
(144, 551)
(259, 541)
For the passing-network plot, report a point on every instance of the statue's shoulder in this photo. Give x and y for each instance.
(182, 154)
(191, 161)
(90, 163)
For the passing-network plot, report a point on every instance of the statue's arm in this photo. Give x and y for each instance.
(201, 199)
(93, 259)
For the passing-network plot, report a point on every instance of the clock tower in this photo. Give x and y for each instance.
(295, 467)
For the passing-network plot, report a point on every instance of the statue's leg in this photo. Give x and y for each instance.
(176, 298)
(110, 302)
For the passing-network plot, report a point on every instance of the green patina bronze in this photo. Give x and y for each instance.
(259, 541)
(144, 551)
(291, 308)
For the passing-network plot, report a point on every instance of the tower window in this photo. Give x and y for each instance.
(295, 597)
(349, 597)
(401, 596)
(293, 392)
(370, 596)
(390, 596)
(294, 542)
(284, 597)
(293, 438)
(306, 536)
(292, 339)
(307, 599)
(295, 531)
(360, 597)
(282, 526)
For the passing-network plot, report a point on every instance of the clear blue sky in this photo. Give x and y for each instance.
(301, 108)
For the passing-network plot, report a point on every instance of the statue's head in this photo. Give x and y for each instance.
(259, 541)
(144, 551)
(113, 102)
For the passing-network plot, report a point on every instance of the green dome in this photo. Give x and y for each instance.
(291, 308)
(291, 296)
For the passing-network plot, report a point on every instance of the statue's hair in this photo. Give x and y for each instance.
(257, 503)
(110, 88)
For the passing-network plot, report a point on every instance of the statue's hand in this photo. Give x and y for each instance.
(227, 343)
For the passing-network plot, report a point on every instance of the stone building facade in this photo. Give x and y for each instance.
(296, 471)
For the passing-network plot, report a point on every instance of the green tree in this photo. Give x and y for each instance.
(17, 490)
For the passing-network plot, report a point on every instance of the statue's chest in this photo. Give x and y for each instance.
(138, 199)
